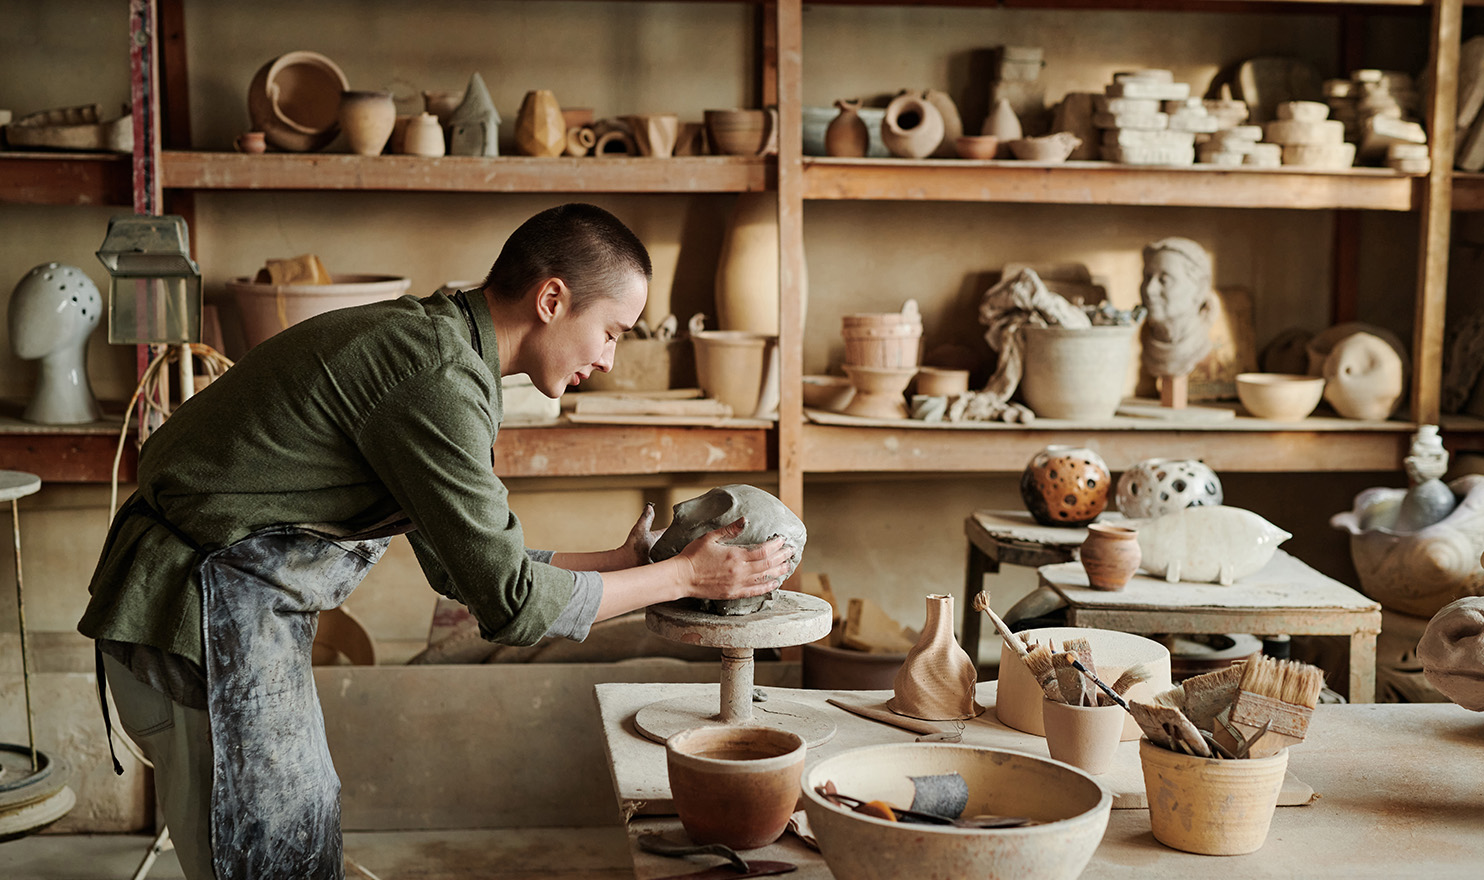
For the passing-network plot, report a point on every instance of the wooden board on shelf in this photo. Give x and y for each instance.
(65, 453)
(35, 178)
(569, 450)
(1233, 422)
(341, 171)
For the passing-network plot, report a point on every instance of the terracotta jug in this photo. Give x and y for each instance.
(539, 127)
(953, 124)
(1003, 124)
(424, 136)
(936, 681)
(913, 127)
(1110, 555)
(1065, 485)
(846, 136)
(747, 269)
(367, 118)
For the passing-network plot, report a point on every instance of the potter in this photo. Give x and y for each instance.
(53, 311)
(367, 422)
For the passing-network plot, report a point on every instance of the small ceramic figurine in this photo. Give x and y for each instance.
(1429, 500)
(1177, 292)
(474, 125)
(1364, 377)
(767, 517)
(53, 310)
(1207, 544)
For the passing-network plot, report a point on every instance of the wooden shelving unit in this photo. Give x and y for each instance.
(64, 179)
(589, 450)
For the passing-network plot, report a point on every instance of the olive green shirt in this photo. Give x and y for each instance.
(343, 422)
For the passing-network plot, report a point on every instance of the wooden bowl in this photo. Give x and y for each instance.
(976, 146)
(1281, 397)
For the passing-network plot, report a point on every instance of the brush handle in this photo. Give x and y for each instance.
(1011, 638)
(1077, 665)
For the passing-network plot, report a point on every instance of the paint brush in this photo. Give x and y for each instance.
(1279, 693)
(1083, 649)
(1038, 661)
(1207, 696)
(1068, 679)
(1067, 658)
(1139, 672)
(981, 603)
(1168, 727)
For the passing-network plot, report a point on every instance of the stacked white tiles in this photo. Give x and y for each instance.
(1310, 139)
(1149, 119)
(1380, 109)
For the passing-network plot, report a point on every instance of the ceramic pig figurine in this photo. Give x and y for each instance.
(767, 517)
(1207, 544)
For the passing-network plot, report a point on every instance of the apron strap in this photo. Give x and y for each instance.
(103, 702)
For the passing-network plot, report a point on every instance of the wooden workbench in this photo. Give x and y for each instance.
(1398, 793)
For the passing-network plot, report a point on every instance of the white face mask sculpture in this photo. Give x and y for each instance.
(52, 312)
(767, 517)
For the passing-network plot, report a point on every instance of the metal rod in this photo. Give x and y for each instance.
(736, 685)
(20, 611)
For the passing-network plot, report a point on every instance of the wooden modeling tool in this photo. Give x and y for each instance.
(1280, 694)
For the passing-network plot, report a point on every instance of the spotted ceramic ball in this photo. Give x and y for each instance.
(1065, 486)
(1157, 486)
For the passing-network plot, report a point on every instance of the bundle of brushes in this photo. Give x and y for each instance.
(1253, 709)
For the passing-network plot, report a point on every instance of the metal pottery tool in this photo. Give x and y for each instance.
(736, 866)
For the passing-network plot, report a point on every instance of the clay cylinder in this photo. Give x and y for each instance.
(367, 118)
(1210, 806)
(1110, 555)
(734, 785)
(1084, 736)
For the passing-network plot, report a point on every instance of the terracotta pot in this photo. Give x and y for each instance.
(1110, 555)
(423, 137)
(878, 391)
(940, 382)
(735, 786)
(936, 681)
(1157, 486)
(269, 308)
(913, 127)
(847, 136)
(1065, 485)
(295, 101)
(739, 369)
(1086, 737)
(1210, 806)
(747, 290)
(539, 127)
(982, 146)
(252, 142)
(655, 133)
(743, 132)
(1076, 373)
(367, 118)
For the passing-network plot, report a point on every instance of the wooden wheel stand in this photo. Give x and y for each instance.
(791, 619)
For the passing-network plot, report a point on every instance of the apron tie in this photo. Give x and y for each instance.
(118, 768)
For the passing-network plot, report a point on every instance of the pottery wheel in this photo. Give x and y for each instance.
(790, 619)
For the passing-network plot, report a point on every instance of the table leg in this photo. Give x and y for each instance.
(979, 564)
(1363, 667)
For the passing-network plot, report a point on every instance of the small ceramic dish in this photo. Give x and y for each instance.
(1281, 397)
(1052, 148)
(976, 146)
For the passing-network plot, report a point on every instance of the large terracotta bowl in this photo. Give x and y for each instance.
(1071, 808)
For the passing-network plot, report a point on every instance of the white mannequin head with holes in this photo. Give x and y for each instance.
(52, 312)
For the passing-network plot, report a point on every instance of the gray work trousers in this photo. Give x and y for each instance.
(177, 740)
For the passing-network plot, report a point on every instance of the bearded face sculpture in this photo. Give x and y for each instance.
(766, 516)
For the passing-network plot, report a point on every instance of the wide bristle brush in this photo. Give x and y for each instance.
(1139, 672)
(1274, 695)
(1082, 648)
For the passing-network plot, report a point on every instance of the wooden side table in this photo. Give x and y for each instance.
(1286, 596)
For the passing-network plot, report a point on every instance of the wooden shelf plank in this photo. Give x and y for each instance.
(565, 450)
(1102, 183)
(340, 171)
(1378, 446)
(64, 179)
(1468, 191)
(57, 454)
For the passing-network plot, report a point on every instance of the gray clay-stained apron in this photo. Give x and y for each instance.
(275, 798)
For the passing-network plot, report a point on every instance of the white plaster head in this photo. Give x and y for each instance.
(1176, 290)
(766, 516)
(53, 311)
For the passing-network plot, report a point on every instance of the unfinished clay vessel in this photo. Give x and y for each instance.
(1002, 123)
(1452, 652)
(953, 123)
(735, 786)
(1207, 544)
(912, 127)
(654, 133)
(423, 137)
(936, 681)
(847, 136)
(295, 101)
(1076, 372)
(1086, 737)
(1065, 485)
(766, 516)
(1211, 806)
(738, 132)
(539, 127)
(1157, 486)
(1364, 377)
(1110, 555)
(1051, 148)
(367, 118)
(878, 391)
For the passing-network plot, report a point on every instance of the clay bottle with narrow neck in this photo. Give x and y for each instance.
(936, 681)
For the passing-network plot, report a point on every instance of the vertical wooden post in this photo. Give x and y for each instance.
(1437, 215)
(790, 27)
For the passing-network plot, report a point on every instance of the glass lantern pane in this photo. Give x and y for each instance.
(158, 310)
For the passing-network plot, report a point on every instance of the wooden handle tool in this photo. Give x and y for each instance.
(886, 717)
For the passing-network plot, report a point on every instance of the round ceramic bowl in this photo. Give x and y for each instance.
(1280, 397)
(269, 308)
(971, 146)
(1071, 809)
(829, 393)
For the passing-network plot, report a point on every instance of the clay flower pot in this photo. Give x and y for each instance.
(847, 136)
(983, 146)
(367, 118)
(1076, 373)
(1210, 806)
(295, 101)
(913, 127)
(1065, 485)
(1086, 737)
(1110, 555)
(735, 786)
(739, 369)
(936, 681)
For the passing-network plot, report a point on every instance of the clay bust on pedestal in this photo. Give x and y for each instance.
(52, 312)
(1177, 332)
(766, 516)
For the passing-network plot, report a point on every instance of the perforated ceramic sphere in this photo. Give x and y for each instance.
(1157, 486)
(1065, 486)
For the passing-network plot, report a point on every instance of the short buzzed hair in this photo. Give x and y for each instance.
(585, 246)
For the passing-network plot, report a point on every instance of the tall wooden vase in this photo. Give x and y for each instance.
(936, 681)
(747, 270)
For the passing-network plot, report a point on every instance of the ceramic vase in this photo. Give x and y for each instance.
(747, 269)
(1363, 377)
(367, 118)
(655, 133)
(539, 127)
(913, 127)
(847, 136)
(936, 681)
(295, 101)
(1076, 373)
(953, 124)
(1207, 805)
(1003, 124)
(424, 136)
(1086, 737)
(1065, 485)
(878, 391)
(1110, 555)
(1157, 486)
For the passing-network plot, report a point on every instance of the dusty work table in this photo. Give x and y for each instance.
(1285, 596)
(1398, 793)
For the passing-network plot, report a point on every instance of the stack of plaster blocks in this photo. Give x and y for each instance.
(1149, 119)
(1380, 109)
(1310, 139)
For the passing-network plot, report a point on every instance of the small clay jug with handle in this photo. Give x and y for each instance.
(847, 137)
(1110, 555)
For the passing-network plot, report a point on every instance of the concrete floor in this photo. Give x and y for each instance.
(497, 854)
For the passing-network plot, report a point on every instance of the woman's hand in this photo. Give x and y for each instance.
(641, 539)
(719, 570)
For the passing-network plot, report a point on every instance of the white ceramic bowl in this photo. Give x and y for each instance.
(259, 304)
(1281, 397)
(1071, 807)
